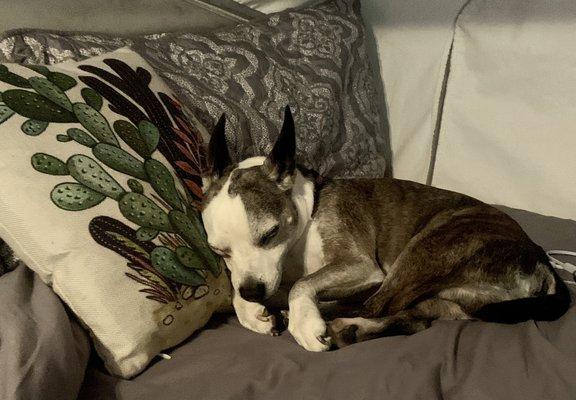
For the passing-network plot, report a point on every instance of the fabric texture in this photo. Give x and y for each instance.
(313, 59)
(43, 352)
(100, 169)
(113, 16)
(272, 6)
(452, 360)
(413, 39)
(8, 260)
(508, 122)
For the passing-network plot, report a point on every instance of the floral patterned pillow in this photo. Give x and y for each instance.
(100, 169)
(313, 58)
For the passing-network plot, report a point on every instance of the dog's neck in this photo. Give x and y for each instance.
(304, 198)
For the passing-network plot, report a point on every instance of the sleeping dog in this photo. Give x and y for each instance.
(411, 253)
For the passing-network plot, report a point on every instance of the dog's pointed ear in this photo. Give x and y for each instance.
(280, 164)
(218, 155)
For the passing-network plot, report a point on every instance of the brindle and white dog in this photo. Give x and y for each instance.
(410, 252)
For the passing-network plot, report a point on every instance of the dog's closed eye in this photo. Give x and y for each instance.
(268, 236)
(222, 253)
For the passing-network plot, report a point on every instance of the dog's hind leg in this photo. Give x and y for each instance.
(345, 331)
(335, 281)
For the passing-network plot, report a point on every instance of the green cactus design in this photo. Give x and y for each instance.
(5, 113)
(92, 98)
(34, 106)
(52, 92)
(166, 262)
(75, 196)
(135, 186)
(41, 69)
(190, 258)
(88, 172)
(63, 81)
(163, 183)
(63, 138)
(12, 79)
(171, 271)
(48, 164)
(150, 134)
(139, 209)
(118, 159)
(79, 136)
(194, 236)
(194, 216)
(132, 137)
(95, 123)
(146, 234)
(33, 127)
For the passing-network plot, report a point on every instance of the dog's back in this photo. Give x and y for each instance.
(436, 244)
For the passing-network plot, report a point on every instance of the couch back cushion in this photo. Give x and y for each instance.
(509, 128)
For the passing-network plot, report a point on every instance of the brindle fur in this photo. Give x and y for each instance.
(413, 253)
(444, 255)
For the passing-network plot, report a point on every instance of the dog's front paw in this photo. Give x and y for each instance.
(309, 330)
(255, 317)
(343, 331)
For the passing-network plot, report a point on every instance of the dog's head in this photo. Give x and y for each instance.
(253, 210)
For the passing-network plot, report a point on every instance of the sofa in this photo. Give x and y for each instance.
(475, 96)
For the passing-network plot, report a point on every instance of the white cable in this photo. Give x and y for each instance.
(559, 264)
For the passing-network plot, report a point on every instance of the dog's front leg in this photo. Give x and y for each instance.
(332, 282)
(254, 316)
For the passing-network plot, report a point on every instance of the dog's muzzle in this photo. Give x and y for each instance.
(252, 291)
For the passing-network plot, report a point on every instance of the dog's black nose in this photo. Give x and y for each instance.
(252, 291)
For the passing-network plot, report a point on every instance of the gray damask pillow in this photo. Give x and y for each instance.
(313, 59)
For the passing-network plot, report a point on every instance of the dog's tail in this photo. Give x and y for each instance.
(545, 307)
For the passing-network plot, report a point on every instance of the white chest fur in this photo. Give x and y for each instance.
(313, 250)
(306, 256)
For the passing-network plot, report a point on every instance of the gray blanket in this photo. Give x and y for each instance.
(43, 355)
(452, 360)
(43, 352)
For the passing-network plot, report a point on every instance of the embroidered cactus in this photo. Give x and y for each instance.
(146, 234)
(135, 186)
(132, 137)
(5, 113)
(166, 262)
(48, 164)
(163, 183)
(63, 81)
(150, 135)
(92, 98)
(52, 92)
(172, 271)
(119, 160)
(88, 172)
(34, 106)
(41, 69)
(144, 212)
(74, 196)
(190, 258)
(95, 123)
(12, 78)
(63, 138)
(80, 136)
(33, 127)
(194, 237)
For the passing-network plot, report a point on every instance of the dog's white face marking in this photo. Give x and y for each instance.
(231, 231)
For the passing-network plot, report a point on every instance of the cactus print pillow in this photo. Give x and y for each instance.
(100, 169)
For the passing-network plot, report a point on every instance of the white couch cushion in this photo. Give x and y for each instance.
(413, 39)
(509, 127)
